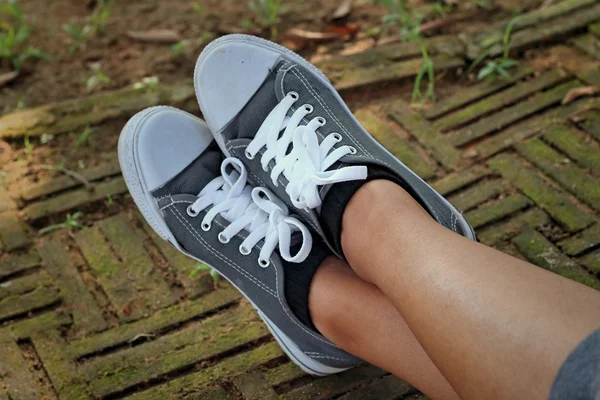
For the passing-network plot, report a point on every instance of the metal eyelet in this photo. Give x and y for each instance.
(293, 95)
(264, 263)
(337, 136)
(308, 108)
(322, 121)
(248, 155)
(244, 251)
(191, 212)
(352, 150)
(222, 238)
(205, 226)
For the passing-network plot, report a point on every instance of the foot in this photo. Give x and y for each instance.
(282, 117)
(202, 204)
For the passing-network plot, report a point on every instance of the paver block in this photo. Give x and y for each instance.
(73, 199)
(27, 327)
(477, 194)
(254, 386)
(471, 94)
(387, 388)
(141, 271)
(14, 306)
(12, 232)
(6, 202)
(496, 210)
(577, 146)
(456, 181)
(543, 253)
(409, 153)
(425, 134)
(155, 324)
(24, 284)
(499, 100)
(20, 382)
(589, 121)
(532, 218)
(511, 114)
(551, 199)
(13, 264)
(559, 168)
(582, 241)
(592, 262)
(87, 315)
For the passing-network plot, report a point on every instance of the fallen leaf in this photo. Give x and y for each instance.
(127, 309)
(349, 29)
(8, 77)
(579, 92)
(343, 10)
(167, 36)
(301, 34)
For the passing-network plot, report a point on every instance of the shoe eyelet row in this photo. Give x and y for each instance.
(352, 150)
(308, 108)
(248, 155)
(322, 121)
(294, 95)
(191, 212)
(205, 226)
(337, 137)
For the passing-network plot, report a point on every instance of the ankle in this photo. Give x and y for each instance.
(366, 219)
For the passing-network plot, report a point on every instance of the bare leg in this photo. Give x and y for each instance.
(371, 328)
(496, 327)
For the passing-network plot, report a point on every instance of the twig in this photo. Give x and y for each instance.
(70, 173)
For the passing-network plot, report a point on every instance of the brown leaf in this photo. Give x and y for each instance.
(297, 33)
(343, 10)
(8, 77)
(167, 36)
(574, 94)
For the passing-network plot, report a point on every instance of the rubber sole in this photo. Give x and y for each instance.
(147, 205)
(256, 41)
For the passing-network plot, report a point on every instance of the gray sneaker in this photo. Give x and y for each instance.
(282, 117)
(202, 204)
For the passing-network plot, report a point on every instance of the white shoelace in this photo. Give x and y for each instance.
(256, 210)
(305, 166)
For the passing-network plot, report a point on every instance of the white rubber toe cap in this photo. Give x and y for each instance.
(228, 73)
(168, 141)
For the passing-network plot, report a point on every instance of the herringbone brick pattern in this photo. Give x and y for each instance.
(111, 311)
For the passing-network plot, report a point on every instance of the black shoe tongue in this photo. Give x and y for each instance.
(249, 120)
(195, 176)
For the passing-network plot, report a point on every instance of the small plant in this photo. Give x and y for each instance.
(100, 15)
(148, 82)
(267, 14)
(407, 20)
(109, 200)
(81, 34)
(178, 47)
(203, 267)
(14, 36)
(498, 66)
(80, 164)
(84, 137)
(70, 222)
(197, 7)
(28, 146)
(99, 77)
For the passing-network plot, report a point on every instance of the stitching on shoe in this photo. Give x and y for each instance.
(208, 247)
(261, 285)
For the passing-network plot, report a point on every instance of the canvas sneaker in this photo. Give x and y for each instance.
(282, 117)
(201, 203)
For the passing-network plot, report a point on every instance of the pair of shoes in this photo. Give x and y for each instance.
(243, 191)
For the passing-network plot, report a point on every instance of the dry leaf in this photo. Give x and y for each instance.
(167, 36)
(297, 33)
(8, 77)
(343, 10)
(358, 47)
(579, 92)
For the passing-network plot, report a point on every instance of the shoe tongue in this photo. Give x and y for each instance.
(249, 120)
(195, 176)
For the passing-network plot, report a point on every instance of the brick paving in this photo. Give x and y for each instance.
(113, 312)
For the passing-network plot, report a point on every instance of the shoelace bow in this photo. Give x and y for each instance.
(257, 210)
(306, 165)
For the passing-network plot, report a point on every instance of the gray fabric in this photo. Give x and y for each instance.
(264, 286)
(292, 77)
(579, 376)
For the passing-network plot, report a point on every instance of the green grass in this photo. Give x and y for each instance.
(14, 37)
(267, 14)
(71, 221)
(80, 34)
(98, 78)
(500, 66)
